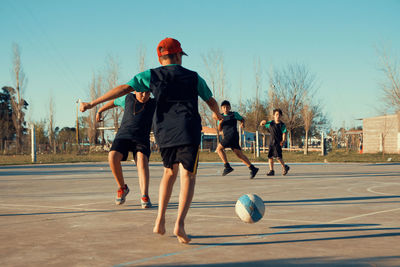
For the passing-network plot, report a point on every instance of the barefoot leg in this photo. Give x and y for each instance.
(166, 186)
(188, 180)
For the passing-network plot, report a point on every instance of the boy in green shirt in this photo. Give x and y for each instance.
(132, 136)
(278, 131)
(228, 126)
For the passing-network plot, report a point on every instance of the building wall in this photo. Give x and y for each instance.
(382, 127)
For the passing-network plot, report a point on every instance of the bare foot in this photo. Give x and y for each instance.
(159, 227)
(181, 235)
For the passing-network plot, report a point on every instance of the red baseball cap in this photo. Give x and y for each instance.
(169, 46)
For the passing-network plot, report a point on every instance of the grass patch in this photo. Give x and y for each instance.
(334, 156)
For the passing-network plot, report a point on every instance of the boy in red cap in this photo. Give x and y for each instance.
(176, 122)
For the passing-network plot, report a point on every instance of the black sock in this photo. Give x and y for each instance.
(227, 165)
(252, 167)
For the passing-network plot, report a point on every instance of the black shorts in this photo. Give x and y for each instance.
(123, 146)
(275, 151)
(187, 155)
(231, 142)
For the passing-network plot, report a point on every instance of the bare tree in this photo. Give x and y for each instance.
(255, 110)
(95, 92)
(112, 73)
(258, 88)
(308, 116)
(17, 101)
(289, 87)
(390, 86)
(142, 58)
(216, 78)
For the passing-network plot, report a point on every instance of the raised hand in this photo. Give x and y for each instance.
(84, 106)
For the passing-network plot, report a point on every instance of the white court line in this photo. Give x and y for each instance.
(370, 189)
(363, 215)
(213, 216)
(264, 219)
(39, 206)
(94, 203)
(300, 221)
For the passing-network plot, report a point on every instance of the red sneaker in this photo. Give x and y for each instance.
(145, 201)
(121, 195)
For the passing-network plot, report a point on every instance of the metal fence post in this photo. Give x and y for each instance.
(33, 143)
(257, 145)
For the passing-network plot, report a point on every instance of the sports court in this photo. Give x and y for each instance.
(317, 215)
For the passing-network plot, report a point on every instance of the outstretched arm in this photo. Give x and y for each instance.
(112, 94)
(213, 105)
(109, 105)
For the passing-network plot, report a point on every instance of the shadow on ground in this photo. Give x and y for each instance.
(306, 262)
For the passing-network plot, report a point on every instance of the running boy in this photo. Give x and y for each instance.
(133, 136)
(177, 125)
(278, 131)
(228, 126)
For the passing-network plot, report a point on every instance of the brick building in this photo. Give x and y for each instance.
(382, 132)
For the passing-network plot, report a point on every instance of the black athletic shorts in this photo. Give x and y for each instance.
(231, 141)
(275, 151)
(123, 146)
(187, 155)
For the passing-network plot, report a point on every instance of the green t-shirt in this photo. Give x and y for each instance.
(120, 101)
(235, 114)
(141, 83)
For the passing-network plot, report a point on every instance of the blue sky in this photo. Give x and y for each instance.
(64, 42)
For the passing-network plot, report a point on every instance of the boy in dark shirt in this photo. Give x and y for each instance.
(278, 131)
(228, 126)
(132, 136)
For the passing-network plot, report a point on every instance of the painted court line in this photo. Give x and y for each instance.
(364, 215)
(370, 189)
(241, 239)
(265, 219)
(94, 203)
(46, 207)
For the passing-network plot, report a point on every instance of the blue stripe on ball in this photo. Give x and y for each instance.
(251, 208)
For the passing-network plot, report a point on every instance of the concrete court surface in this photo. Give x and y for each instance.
(317, 215)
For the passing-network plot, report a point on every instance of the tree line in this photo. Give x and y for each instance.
(291, 88)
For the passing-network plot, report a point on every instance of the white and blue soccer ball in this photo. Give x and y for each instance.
(250, 208)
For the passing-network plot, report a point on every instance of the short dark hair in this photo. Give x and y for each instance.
(225, 103)
(277, 110)
(169, 56)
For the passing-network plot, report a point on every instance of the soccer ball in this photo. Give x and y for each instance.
(250, 208)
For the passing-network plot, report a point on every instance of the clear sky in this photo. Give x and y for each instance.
(64, 42)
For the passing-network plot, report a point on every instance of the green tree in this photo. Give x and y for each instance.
(7, 129)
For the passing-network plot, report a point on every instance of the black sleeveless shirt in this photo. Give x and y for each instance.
(176, 119)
